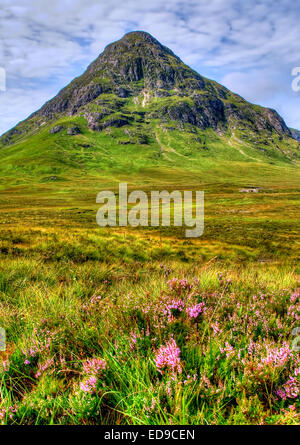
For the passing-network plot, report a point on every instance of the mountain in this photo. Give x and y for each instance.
(139, 104)
(295, 134)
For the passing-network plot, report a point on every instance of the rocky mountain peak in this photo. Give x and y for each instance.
(135, 40)
(138, 56)
(137, 74)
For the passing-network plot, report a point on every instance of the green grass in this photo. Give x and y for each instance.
(47, 304)
(54, 260)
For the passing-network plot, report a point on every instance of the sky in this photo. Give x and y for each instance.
(251, 47)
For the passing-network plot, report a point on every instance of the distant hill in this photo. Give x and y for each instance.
(295, 134)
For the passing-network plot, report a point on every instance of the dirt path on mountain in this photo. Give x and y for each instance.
(170, 150)
(236, 139)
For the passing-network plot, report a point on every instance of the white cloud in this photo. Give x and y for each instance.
(269, 88)
(17, 101)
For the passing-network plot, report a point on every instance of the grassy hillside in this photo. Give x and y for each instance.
(134, 150)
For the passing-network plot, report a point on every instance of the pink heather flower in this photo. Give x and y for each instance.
(94, 366)
(176, 304)
(169, 389)
(62, 360)
(254, 348)
(153, 403)
(33, 352)
(179, 285)
(41, 341)
(216, 328)
(294, 297)
(89, 385)
(173, 306)
(43, 367)
(168, 358)
(294, 309)
(7, 412)
(229, 350)
(277, 357)
(290, 390)
(222, 279)
(196, 310)
(190, 379)
(5, 365)
(95, 299)
(133, 337)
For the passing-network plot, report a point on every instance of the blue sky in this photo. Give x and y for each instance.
(249, 46)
